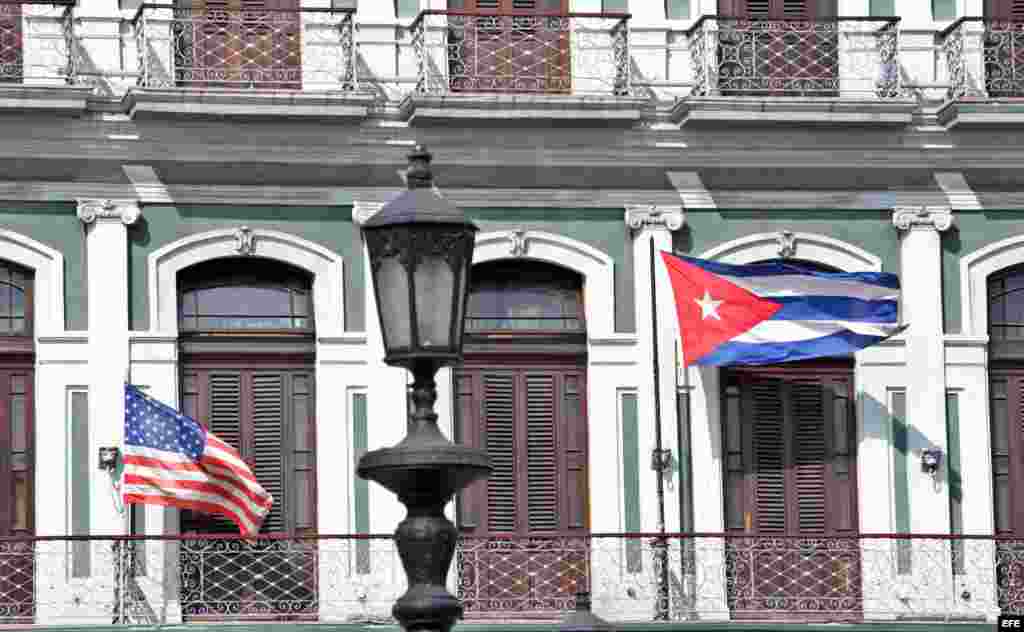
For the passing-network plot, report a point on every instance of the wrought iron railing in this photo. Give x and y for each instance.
(37, 42)
(838, 57)
(302, 49)
(53, 580)
(984, 58)
(574, 53)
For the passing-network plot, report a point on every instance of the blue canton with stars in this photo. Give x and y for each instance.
(150, 424)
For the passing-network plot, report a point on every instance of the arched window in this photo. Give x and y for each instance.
(1006, 313)
(246, 295)
(524, 296)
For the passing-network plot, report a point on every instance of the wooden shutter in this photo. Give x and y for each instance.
(268, 416)
(769, 456)
(777, 9)
(268, 445)
(1007, 406)
(11, 43)
(532, 423)
(499, 435)
(541, 453)
(795, 431)
(1012, 10)
(810, 455)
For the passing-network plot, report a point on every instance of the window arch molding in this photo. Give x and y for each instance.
(975, 268)
(325, 266)
(808, 247)
(596, 267)
(47, 266)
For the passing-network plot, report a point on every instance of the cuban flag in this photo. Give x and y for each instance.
(778, 312)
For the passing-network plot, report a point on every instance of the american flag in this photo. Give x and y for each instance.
(171, 460)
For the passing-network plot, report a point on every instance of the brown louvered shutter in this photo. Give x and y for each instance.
(1012, 10)
(809, 455)
(225, 415)
(541, 453)
(303, 443)
(769, 456)
(267, 444)
(1007, 411)
(777, 9)
(499, 407)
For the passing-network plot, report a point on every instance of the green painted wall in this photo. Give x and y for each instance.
(973, 230)
(57, 226)
(603, 229)
(330, 227)
(867, 229)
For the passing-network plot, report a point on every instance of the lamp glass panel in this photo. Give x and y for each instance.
(435, 283)
(392, 282)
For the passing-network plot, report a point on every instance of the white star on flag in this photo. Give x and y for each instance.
(708, 306)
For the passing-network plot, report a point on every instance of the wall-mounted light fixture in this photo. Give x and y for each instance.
(661, 460)
(108, 458)
(931, 458)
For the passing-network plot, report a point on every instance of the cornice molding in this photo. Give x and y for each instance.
(125, 211)
(939, 218)
(655, 217)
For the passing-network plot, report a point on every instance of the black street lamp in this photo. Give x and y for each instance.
(421, 250)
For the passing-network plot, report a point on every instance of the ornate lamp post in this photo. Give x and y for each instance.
(421, 250)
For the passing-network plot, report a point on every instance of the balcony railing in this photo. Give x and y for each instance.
(36, 41)
(839, 57)
(985, 58)
(303, 49)
(631, 577)
(574, 53)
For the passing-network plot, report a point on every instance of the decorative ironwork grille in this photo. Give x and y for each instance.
(841, 57)
(357, 578)
(575, 53)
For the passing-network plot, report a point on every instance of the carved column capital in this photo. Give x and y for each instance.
(938, 218)
(652, 217)
(125, 211)
(362, 211)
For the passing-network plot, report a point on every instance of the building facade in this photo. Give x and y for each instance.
(181, 190)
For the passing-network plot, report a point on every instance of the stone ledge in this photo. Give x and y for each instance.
(968, 112)
(59, 99)
(510, 108)
(792, 111)
(192, 103)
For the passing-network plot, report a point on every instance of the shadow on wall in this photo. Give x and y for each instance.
(879, 422)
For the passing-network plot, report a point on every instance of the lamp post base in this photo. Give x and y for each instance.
(425, 470)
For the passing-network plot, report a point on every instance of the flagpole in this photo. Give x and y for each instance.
(662, 607)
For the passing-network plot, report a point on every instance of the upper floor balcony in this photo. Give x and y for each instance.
(225, 58)
(36, 44)
(985, 58)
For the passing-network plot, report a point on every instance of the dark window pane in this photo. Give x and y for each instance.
(18, 301)
(241, 301)
(249, 294)
(525, 296)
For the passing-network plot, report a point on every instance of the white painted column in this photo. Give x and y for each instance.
(921, 281)
(656, 224)
(106, 225)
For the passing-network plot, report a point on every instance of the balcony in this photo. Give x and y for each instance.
(233, 62)
(985, 61)
(565, 67)
(36, 60)
(632, 577)
(840, 70)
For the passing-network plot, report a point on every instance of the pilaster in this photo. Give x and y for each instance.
(925, 376)
(106, 225)
(655, 224)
